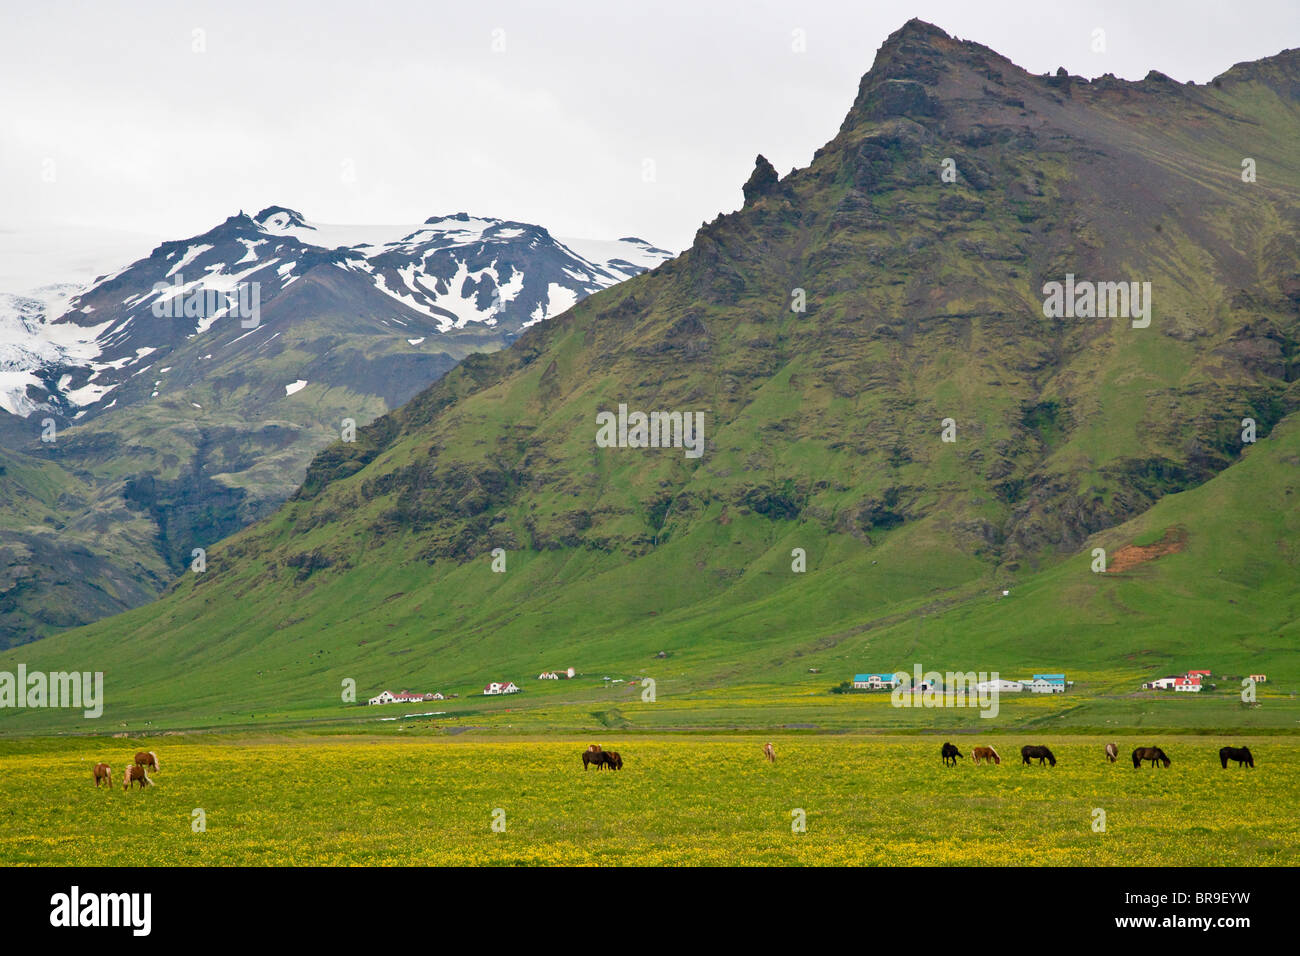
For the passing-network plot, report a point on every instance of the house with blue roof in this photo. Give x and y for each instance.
(875, 681)
(1048, 684)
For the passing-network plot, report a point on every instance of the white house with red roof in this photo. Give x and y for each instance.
(497, 687)
(1188, 684)
(402, 697)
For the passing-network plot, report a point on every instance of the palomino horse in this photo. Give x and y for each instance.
(136, 773)
(147, 758)
(104, 774)
(985, 753)
(1239, 754)
(949, 752)
(770, 753)
(1112, 752)
(1154, 754)
(1028, 752)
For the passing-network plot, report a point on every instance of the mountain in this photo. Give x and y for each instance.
(907, 287)
(188, 391)
(454, 278)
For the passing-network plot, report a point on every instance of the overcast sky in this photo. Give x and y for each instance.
(120, 115)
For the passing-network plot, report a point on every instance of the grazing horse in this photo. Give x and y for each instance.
(1239, 754)
(949, 752)
(135, 773)
(597, 757)
(985, 753)
(1112, 752)
(147, 758)
(770, 753)
(613, 761)
(1154, 754)
(104, 774)
(1029, 751)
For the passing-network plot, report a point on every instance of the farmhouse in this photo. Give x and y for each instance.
(1040, 685)
(402, 697)
(1000, 686)
(1258, 678)
(875, 681)
(1189, 683)
(548, 675)
(500, 688)
(1057, 681)
(1160, 683)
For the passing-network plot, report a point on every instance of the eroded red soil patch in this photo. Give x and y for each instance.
(1131, 555)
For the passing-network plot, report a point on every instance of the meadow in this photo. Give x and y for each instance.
(431, 799)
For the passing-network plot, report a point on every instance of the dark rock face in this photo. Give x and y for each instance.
(761, 180)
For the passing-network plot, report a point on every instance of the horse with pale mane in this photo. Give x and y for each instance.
(136, 774)
(147, 758)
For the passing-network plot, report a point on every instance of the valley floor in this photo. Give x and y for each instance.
(412, 799)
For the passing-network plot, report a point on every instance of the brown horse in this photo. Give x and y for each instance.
(136, 773)
(1029, 751)
(1154, 754)
(147, 758)
(770, 753)
(597, 757)
(949, 752)
(1112, 752)
(103, 774)
(985, 753)
(613, 761)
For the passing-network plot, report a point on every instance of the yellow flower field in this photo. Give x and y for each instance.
(679, 800)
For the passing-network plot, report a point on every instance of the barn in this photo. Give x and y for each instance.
(1000, 686)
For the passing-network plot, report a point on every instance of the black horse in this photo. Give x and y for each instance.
(1239, 754)
(950, 752)
(1028, 752)
(1154, 754)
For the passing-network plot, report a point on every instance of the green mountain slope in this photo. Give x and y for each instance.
(823, 430)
